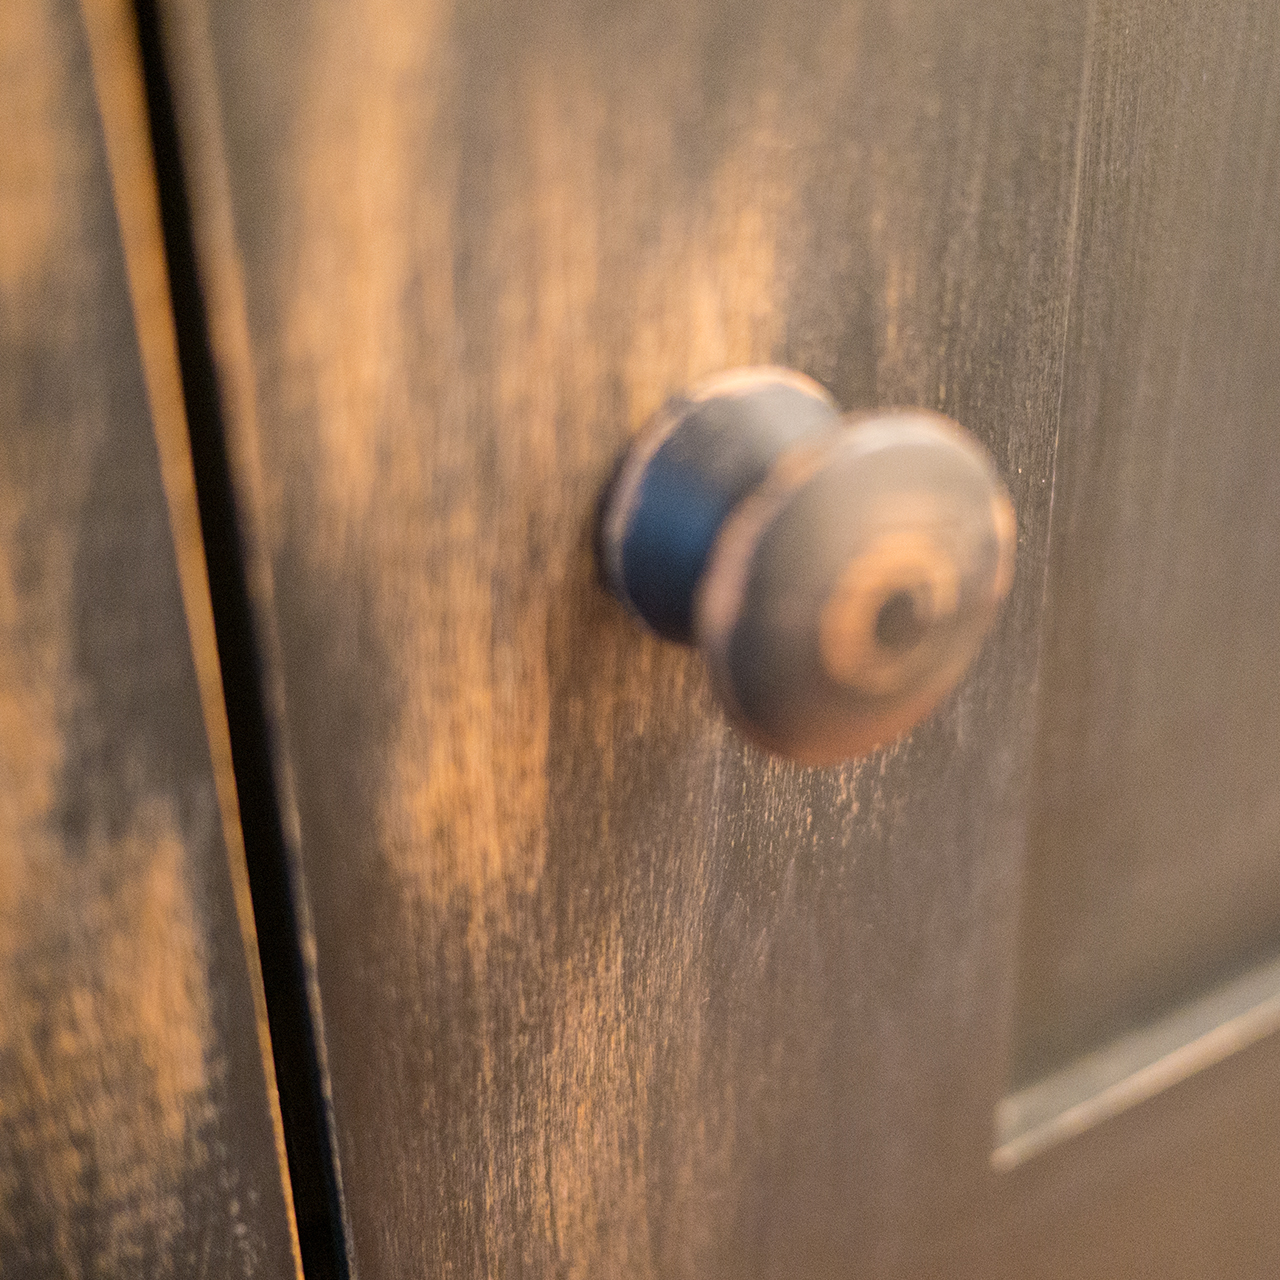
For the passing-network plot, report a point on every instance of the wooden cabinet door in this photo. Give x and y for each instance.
(139, 1128)
(598, 989)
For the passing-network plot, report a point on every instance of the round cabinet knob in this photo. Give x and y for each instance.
(838, 573)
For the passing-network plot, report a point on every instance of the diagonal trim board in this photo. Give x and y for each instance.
(1137, 1066)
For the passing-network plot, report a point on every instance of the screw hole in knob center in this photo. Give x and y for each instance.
(899, 624)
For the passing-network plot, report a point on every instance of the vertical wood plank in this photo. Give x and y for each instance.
(604, 991)
(138, 1123)
(1152, 859)
(1153, 869)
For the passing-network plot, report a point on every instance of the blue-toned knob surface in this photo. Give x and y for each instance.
(838, 574)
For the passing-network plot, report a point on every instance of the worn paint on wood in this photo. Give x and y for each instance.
(603, 991)
(136, 1120)
(1153, 872)
(1151, 862)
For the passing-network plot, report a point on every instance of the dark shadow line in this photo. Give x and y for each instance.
(284, 975)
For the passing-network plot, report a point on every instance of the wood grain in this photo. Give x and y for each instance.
(1153, 869)
(602, 990)
(137, 1125)
(1155, 760)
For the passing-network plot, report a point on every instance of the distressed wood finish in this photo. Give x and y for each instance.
(604, 991)
(1144, 882)
(138, 1128)
(1152, 868)
(601, 990)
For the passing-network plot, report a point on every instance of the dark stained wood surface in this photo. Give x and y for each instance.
(601, 990)
(138, 1128)
(1154, 756)
(604, 991)
(1154, 852)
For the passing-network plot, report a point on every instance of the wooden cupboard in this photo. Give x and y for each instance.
(588, 986)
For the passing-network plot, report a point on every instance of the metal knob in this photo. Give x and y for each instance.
(838, 573)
